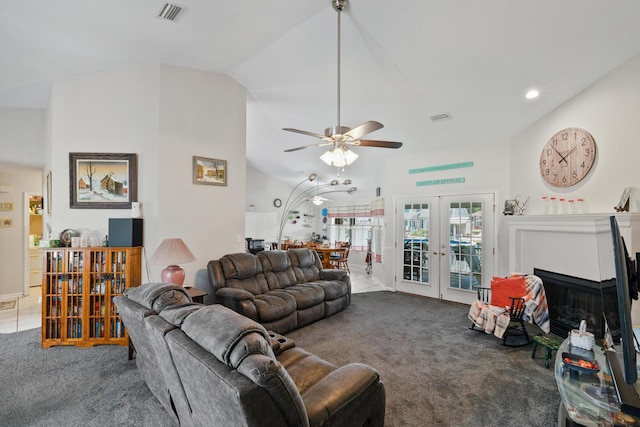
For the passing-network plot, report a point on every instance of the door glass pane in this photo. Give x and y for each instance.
(416, 243)
(465, 240)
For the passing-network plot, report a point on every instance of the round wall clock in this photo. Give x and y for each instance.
(567, 157)
(277, 203)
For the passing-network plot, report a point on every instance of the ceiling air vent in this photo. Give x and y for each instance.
(169, 11)
(440, 117)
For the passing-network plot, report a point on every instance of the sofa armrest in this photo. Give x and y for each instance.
(350, 393)
(216, 278)
(236, 294)
(334, 274)
(239, 300)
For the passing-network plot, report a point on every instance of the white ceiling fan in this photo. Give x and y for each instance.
(338, 137)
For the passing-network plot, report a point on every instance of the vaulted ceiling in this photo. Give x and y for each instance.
(402, 63)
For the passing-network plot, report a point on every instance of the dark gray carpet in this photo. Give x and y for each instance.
(436, 371)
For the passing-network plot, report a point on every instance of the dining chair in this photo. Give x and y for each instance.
(343, 261)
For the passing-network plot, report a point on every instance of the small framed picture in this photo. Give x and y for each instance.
(209, 171)
(509, 207)
(623, 204)
(6, 222)
(6, 206)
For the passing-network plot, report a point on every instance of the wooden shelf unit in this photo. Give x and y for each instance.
(78, 286)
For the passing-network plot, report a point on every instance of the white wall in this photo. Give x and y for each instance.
(201, 114)
(263, 189)
(166, 115)
(609, 110)
(22, 133)
(489, 174)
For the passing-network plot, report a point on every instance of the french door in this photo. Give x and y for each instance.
(445, 245)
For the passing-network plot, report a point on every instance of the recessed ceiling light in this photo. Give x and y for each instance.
(533, 93)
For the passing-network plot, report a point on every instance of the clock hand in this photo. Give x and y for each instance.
(561, 156)
(567, 155)
(564, 157)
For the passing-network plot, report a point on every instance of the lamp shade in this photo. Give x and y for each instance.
(172, 252)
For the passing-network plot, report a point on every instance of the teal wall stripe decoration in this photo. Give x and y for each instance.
(441, 167)
(440, 181)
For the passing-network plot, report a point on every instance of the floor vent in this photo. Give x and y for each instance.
(169, 11)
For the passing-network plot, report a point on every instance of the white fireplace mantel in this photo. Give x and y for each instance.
(563, 243)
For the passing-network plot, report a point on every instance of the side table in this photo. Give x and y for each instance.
(550, 345)
(197, 295)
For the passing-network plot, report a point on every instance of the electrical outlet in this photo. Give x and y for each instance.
(238, 238)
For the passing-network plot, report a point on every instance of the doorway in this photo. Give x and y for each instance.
(33, 225)
(445, 245)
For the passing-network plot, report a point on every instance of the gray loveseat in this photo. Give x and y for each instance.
(210, 366)
(282, 290)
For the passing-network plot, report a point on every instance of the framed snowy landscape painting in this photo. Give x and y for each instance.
(209, 171)
(102, 180)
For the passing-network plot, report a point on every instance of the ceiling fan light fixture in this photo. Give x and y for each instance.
(350, 156)
(343, 136)
(339, 157)
(317, 201)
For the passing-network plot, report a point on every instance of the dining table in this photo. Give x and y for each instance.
(326, 252)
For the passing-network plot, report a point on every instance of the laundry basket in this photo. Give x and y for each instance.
(581, 338)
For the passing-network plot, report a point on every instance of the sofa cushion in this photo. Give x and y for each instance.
(306, 264)
(226, 334)
(244, 271)
(306, 295)
(271, 376)
(333, 289)
(276, 266)
(305, 369)
(157, 296)
(274, 305)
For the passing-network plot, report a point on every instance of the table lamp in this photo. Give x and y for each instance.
(172, 252)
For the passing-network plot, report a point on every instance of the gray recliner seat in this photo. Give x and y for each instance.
(232, 377)
(138, 308)
(209, 365)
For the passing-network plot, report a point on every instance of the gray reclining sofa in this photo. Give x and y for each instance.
(210, 366)
(281, 290)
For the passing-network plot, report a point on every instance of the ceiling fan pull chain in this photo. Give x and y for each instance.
(339, 26)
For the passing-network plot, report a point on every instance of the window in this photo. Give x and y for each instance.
(353, 230)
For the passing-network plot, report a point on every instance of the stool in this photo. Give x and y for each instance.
(549, 344)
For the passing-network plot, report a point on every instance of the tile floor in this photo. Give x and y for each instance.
(27, 313)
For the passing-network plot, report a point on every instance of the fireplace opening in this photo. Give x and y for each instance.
(572, 299)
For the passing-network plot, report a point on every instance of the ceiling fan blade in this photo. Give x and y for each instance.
(304, 132)
(320, 144)
(364, 129)
(374, 143)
